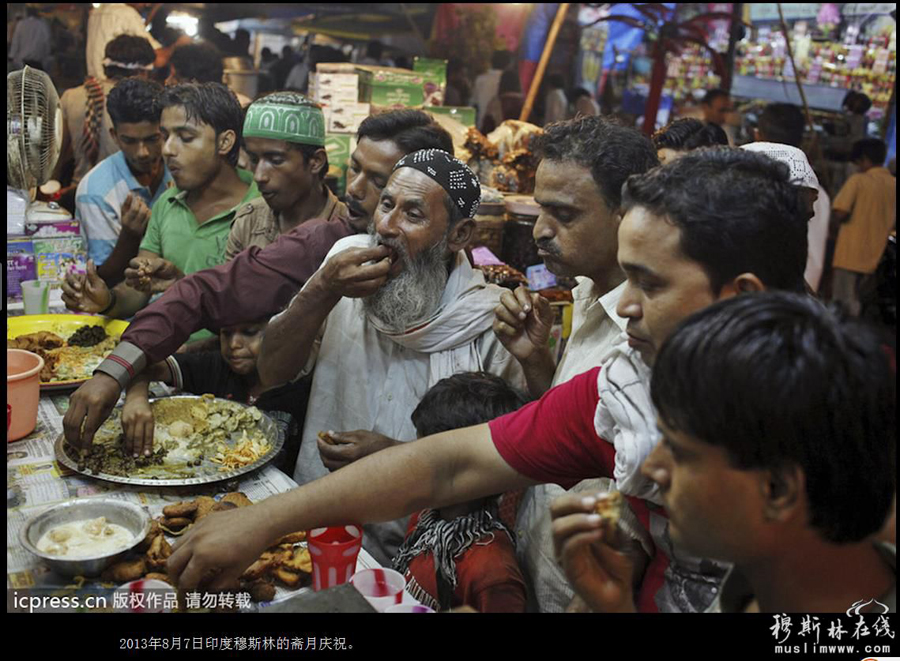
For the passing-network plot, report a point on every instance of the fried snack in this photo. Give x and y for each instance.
(288, 578)
(260, 590)
(183, 509)
(41, 340)
(267, 562)
(204, 507)
(609, 507)
(154, 531)
(158, 553)
(292, 538)
(175, 526)
(123, 572)
(300, 561)
(222, 506)
(238, 498)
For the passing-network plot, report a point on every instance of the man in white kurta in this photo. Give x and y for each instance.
(368, 376)
(578, 186)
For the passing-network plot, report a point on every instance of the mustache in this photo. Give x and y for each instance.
(547, 245)
(354, 206)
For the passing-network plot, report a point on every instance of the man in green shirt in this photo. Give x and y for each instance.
(201, 127)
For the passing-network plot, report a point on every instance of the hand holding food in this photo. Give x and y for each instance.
(584, 538)
(358, 272)
(522, 322)
(338, 449)
(151, 275)
(86, 292)
(89, 406)
(135, 215)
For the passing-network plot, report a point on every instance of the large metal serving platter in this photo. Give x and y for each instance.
(272, 431)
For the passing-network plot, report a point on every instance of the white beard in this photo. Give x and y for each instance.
(415, 293)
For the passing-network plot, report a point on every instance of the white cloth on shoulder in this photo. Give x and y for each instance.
(625, 417)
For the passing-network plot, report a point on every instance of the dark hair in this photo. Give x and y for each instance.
(128, 49)
(783, 123)
(611, 152)
(463, 400)
(872, 148)
(509, 82)
(857, 102)
(212, 104)
(689, 134)
(712, 95)
(556, 81)
(579, 92)
(201, 62)
(737, 212)
(410, 130)
(134, 100)
(778, 380)
(501, 59)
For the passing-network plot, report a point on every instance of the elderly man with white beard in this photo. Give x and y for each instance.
(386, 317)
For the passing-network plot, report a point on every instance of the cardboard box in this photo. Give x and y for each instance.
(396, 88)
(434, 74)
(334, 81)
(55, 258)
(62, 229)
(20, 266)
(339, 147)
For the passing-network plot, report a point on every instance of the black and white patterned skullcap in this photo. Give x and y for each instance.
(450, 173)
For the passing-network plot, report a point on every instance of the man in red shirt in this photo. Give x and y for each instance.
(711, 225)
(769, 472)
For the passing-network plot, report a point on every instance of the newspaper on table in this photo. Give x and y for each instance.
(35, 481)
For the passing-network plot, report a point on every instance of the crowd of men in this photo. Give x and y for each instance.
(743, 420)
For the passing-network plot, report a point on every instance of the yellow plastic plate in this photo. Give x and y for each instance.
(63, 325)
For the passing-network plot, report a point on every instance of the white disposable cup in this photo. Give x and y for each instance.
(382, 588)
(36, 296)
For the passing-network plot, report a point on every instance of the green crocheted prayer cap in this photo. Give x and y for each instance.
(286, 116)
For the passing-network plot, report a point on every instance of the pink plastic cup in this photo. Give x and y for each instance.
(23, 392)
(382, 588)
(333, 552)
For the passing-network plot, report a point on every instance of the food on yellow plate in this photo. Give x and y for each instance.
(70, 360)
(609, 507)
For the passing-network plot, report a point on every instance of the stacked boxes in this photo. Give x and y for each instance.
(338, 94)
(393, 88)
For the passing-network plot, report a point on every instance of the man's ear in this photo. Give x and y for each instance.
(318, 161)
(745, 283)
(114, 135)
(461, 234)
(226, 140)
(784, 493)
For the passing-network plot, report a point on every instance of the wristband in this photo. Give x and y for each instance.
(112, 302)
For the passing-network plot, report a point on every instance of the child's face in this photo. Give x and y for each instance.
(240, 346)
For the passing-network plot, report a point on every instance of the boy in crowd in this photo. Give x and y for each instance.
(113, 200)
(229, 373)
(463, 554)
(778, 419)
(189, 225)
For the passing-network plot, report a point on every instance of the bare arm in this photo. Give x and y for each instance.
(439, 470)
(355, 272)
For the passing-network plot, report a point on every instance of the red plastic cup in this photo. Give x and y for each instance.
(333, 552)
